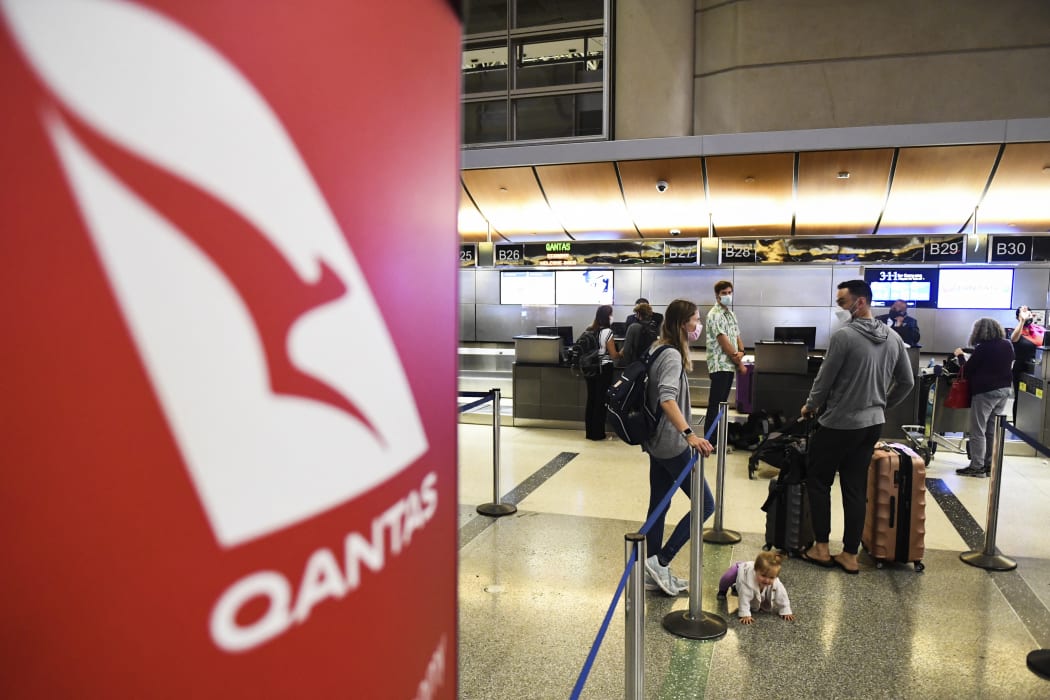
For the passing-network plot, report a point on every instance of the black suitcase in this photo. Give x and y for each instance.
(788, 523)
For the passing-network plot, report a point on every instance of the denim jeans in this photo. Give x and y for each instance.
(662, 475)
(983, 409)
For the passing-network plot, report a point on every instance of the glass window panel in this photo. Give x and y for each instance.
(485, 69)
(533, 13)
(485, 16)
(485, 122)
(563, 116)
(568, 61)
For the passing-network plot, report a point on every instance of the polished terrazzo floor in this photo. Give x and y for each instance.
(534, 586)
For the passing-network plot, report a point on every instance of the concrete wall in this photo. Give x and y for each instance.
(767, 65)
(653, 72)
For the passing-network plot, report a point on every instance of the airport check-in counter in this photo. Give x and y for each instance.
(783, 377)
(544, 387)
(1032, 417)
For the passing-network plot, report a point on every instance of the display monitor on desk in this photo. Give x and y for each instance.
(619, 328)
(565, 332)
(797, 334)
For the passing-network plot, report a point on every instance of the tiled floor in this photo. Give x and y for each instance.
(534, 587)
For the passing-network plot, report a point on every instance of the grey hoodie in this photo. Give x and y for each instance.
(865, 371)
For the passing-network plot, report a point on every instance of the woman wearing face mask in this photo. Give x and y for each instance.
(671, 448)
(1027, 336)
(725, 349)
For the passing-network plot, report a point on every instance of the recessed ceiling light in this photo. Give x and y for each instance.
(749, 179)
(1046, 169)
(502, 189)
(843, 175)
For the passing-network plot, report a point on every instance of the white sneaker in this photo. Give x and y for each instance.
(680, 583)
(661, 575)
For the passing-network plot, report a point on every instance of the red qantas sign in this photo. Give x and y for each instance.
(228, 455)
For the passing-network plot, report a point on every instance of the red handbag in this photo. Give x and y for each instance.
(959, 395)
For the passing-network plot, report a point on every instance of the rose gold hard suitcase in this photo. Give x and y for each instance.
(895, 521)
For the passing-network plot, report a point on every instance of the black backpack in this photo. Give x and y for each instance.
(585, 354)
(628, 412)
(786, 450)
(759, 424)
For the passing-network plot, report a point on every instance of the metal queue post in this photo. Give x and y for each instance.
(694, 623)
(634, 615)
(988, 558)
(496, 509)
(717, 534)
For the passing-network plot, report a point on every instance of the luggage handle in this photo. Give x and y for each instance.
(893, 510)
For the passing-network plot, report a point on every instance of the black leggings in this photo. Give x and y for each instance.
(597, 388)
(848, 453)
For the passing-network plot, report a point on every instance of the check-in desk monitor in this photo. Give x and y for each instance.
(797, 334)
(564, 332)
(783, 376)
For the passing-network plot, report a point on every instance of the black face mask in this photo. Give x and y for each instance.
(896, 314)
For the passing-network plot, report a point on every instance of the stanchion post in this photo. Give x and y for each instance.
(496, 509)
(719, 535)
(694, 623)
(988, 558)
(634, 612)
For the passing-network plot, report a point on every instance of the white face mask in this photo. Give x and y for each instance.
(726, 299)
(695, 333)
(843, 315)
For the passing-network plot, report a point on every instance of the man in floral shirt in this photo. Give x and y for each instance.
(725, 350)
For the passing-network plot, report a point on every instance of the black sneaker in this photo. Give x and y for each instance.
(972, 471)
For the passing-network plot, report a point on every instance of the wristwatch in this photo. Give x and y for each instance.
(687, 432)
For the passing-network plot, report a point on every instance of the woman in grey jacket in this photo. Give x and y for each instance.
(672, 446)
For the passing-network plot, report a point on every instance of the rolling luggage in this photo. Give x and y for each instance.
(788, 524)
(895, 520)
(743, 389)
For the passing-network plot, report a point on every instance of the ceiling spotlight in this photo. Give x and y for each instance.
(750, 179)
(843, 175)
(1046, 169)
(502, 189)
(661, 185)
(675, 232)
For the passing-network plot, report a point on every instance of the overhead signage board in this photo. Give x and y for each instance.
(1010, 249)
(738, 252)
(681, 252)
(468, 255)
(226, 471)
(1040, 248)
(596, 253)
(945, 249)
(867, 250)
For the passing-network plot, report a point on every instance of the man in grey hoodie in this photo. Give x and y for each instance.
(865, 371)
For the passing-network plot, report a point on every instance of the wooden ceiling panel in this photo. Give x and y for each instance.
(586, 198)
(472, 225)
(829, 205)
(751, 195)
(683, 206)
(511, 200)
(1018, 200)
(935, 188)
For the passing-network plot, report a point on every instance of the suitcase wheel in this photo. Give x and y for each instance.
(919, 567)
(766, 547)
(879, 563)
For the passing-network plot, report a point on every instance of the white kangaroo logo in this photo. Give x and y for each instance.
(258, 330)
